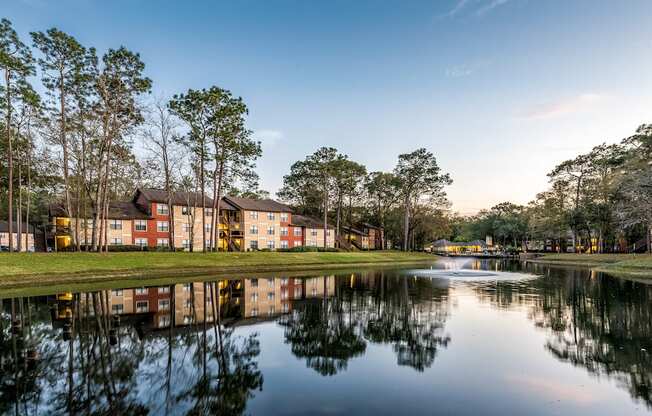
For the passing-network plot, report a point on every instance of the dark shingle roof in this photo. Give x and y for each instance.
(309, 222)
(117, 211)
(4, 227)
(353, 230)
(178, 197)
(268, 205)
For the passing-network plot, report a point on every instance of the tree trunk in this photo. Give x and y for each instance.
(406, 224)
(64, 146)
(10, 162)
(217, 195)
(203, 199)
(649, 238)
(325, 213)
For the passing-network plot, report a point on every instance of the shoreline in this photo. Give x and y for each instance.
(251, 263)
(627, 266)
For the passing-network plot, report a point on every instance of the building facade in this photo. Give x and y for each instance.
(151, 220)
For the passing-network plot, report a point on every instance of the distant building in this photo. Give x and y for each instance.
(450, 247)
(26, 236)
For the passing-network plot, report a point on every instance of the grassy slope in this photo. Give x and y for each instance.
(634, 265)
(51, 267)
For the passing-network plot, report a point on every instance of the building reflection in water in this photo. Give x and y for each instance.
(176, 349)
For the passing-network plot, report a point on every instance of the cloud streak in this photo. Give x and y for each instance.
(477, 7)
(562, 107)
(269, 138)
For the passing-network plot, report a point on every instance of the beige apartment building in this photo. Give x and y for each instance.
(26, 236)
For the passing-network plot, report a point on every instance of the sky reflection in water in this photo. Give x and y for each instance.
(465, 337)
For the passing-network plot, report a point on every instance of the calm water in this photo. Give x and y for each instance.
(465, 337)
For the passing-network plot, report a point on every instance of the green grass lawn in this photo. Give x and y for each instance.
(21, 268)
(630, 265)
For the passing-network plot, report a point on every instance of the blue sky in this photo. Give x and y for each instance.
(499, 90)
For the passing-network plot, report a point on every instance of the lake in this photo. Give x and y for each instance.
(461, 336)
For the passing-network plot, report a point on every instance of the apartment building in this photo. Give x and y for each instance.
(185, 221)
(265, 222)
(312, 231)
(26, 236)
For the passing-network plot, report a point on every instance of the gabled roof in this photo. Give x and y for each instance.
(178, 197)
(373, 227)
(308, 222)
(117, 211)
(268, 205)
(4, 227)
(353, 230)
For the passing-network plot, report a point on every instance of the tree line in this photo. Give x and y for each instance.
(77, 143)
(599, 201)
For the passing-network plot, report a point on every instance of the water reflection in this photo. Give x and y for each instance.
(218, 346)
(175, 349)
(596, 322)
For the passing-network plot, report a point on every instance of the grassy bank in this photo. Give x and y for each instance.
(626, 265)
(24, 269)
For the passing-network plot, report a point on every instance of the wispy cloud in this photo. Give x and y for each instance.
(490, 6)
(467, 69)
(268, 138)
(459, 71)
(476, 7)
(562, 107)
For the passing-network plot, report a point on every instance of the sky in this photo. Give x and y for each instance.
(500, 91)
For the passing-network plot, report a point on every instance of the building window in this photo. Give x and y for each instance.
(116, 241)
(164, 321)
(297, 232)
(208, 227)
(162, 242)
(253, 244)
(117, 309)
(270, 216)
(272, 310)
(253, 215)
(188, 304)
(297, 243)
(187, 287)
(270, 295)
(187, 319)
(140, 225)
(284, 231)
(164, 289)
(328, 233)
(254, 282)
(253, 229)
(186, 227)
(284, 244)
(185, 210)
(115, 225)
(142, 306)
(141, 242)
(314, 291)
(270, 230)
(286, 307)
(186, 244)
(284, 281)
(297, 292)
(313, 232)
(116, 292)
(254, 297)
(164, 304)
(270, 244)
(270, 282)
(141, 291)
(162, 226)
(208, 212)
(254, 312)
(284, 217)
(162, 209)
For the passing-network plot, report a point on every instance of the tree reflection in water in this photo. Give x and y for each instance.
(91, 361)
(407, 313)
(598, 322)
